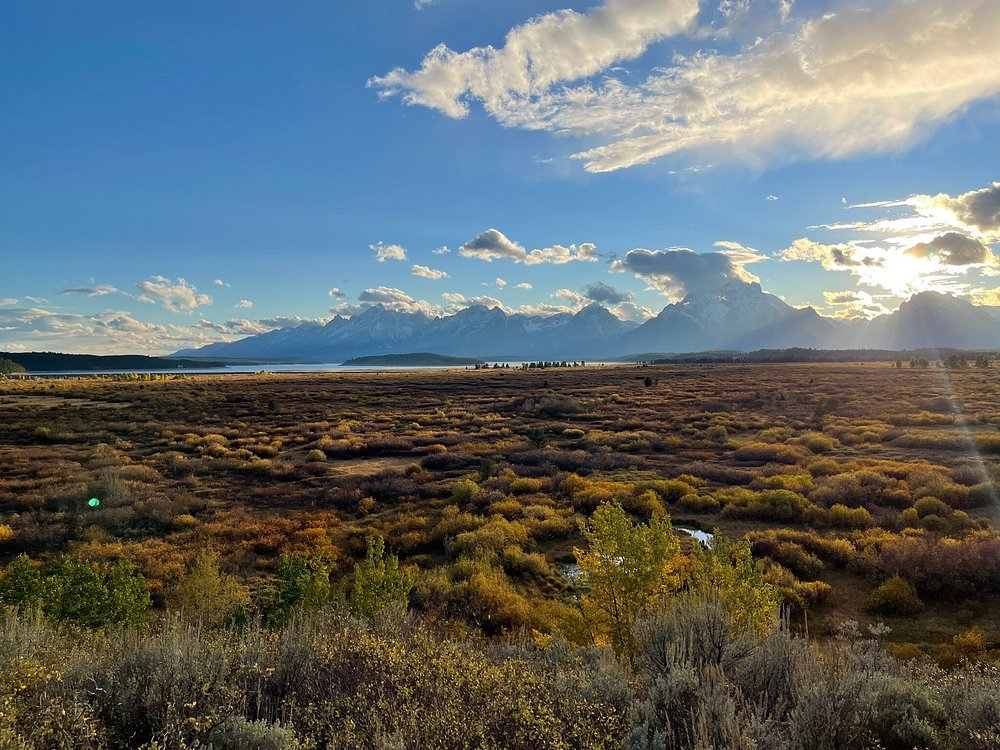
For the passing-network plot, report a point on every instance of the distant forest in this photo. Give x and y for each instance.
(55, 362)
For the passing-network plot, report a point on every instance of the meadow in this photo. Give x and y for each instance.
(860, 500)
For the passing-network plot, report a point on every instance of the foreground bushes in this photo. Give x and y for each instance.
(698, 680)
(327, 682)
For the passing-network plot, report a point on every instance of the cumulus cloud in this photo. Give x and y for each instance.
(34, 328)
(988, 297)
(337, 294)
(385, 252)
(680, 271)
(953, 249)
(857, 80)
(456, 302)
(392, 299)
(8, 301)
(492, 245)
(919, 243)
(495, 245)
(428, 273)
(176, 296)
(852, 304)
(621, 304)
(220, 282)
(837, 257)
(443, 250)
(606, 294)
(976, 212)
(91, 291)
(244, 304)
(523, 285)
(501, 283)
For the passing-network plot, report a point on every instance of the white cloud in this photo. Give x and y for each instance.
(244, 304)
(428, 273)
(443, 250)
(337, 294)
(8, 302)
(772, 198)
(545, 51)
(850, 304)
(923, 242)
(836, 257)
(36, 328)
(421, 4)
(858, 80)
(177, 296)
(501, 283)
(385, 252)
(220, 282)
(976, 212)
(494, 244)
(393, 299)
(523, 285)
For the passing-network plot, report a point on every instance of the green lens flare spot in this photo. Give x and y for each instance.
(93, 502)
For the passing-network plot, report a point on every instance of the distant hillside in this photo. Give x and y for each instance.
(418, 359)
(56, 362)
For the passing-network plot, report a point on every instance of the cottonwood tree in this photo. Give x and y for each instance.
(378, 581)
(628, 568)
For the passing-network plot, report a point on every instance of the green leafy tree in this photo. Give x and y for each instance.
(21, 584)
(728, 572)
(76, 591)
(628, 569)
(378, 581)
(303, 585)
(982, 360)
(209, 596)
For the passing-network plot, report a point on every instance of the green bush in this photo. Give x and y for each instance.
(894, 597)
(78, 592)
(21, 584)
(302, 587)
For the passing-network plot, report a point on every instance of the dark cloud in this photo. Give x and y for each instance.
(606, 294)
(683, 270)
(977, 208)
(953, 249)
(492, 244)
(95, 291)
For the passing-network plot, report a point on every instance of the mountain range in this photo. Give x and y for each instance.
(739, 316)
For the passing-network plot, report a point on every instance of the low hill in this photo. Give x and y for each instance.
(416, 359)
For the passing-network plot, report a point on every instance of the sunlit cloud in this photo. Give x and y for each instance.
(856, 80)
(385, 252)
(428, 273)
(174, 295)
(495, 245)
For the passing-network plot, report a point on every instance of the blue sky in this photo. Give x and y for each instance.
(175, 173)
